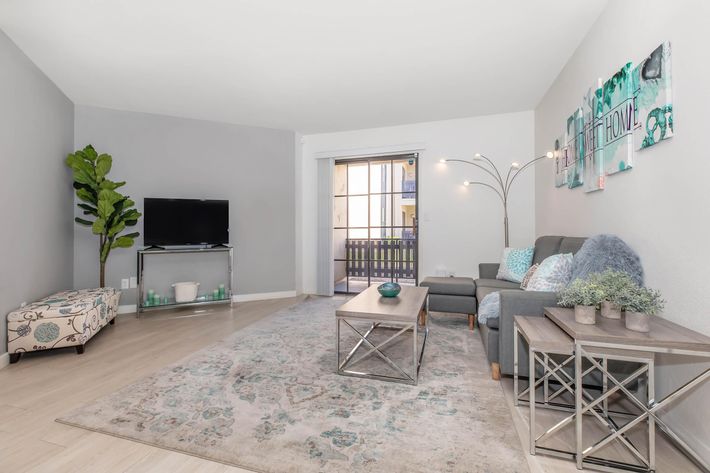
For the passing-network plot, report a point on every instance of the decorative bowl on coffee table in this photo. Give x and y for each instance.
(389, 289)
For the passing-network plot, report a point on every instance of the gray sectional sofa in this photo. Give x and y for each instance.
(462, 295)
(497, 334)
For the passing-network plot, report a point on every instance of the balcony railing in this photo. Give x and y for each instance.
(382, 258)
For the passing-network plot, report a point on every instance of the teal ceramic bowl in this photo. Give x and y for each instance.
(389, 289)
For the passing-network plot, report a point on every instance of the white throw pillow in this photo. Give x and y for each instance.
(553, 274)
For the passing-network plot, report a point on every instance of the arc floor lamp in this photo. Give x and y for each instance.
(500, 186)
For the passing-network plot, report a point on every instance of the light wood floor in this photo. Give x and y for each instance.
(42, 386)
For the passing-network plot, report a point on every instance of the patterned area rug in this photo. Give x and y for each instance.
(267, 399)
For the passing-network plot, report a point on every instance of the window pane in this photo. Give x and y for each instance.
(340, 179)
(339, 237)
(358, 233)
(381, 210)
(340, 282)
(339, 211)
(405, 211)
(357, 178)
(405, 172)
(381, 176)
(357, 211)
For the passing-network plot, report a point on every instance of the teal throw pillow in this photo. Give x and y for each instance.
(515, 263)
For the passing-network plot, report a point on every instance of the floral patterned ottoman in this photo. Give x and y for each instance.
(64, 319)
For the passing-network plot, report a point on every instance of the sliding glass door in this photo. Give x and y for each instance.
(375, 222)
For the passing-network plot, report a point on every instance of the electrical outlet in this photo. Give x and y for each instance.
(133, 283)
(124, 283)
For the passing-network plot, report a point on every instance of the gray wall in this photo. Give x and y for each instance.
(659, 207)
(36, 133)
(162, 156)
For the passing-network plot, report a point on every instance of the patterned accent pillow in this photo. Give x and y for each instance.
(529, 275)
(553, 275)
(514, 263)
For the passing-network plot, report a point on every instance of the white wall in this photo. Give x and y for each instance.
(36, 127)
(661, 206)
(459, 226)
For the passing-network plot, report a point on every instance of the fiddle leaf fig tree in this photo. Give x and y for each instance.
(106, 211)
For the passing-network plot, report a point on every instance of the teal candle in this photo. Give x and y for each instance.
(215, 294)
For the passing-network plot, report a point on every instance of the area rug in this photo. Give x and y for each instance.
(267, 399)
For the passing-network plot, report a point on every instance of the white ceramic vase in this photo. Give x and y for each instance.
(585, 314)
(637, 321)
(611, 310)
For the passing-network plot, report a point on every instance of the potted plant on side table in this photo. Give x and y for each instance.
(613, 283)
(585, 296)
(639, 303)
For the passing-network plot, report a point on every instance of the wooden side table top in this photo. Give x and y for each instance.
(664, 335)
(543, 335)
(369, 304)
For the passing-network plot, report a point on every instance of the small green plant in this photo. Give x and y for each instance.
(581, 292)
(613, 283)
(112, 211)
(641, 299)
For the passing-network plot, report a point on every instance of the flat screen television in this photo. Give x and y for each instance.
(175, 222)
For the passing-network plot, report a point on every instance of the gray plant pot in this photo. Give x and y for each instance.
(585, 314)
(611, 310)
(637, 321)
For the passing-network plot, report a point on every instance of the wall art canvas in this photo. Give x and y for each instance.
(593, 149)
(619, 121)
(575, 149)
(654, 105)
(560, 162)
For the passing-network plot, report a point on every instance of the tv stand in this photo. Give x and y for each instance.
(228, 251)
(219, 245)
(154, 247)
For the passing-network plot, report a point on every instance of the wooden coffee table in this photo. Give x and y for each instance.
(401, 314)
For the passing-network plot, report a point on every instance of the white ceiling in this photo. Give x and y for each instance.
(307, 65)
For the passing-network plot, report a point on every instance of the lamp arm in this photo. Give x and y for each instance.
(502, 199)
(525, 166)
(500, 178)
(479, 167)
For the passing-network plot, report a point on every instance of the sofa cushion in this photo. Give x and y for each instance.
(450, 286)
(486, 286)
(496, 283)
(494, 322)
(546, 246)
(571, 244)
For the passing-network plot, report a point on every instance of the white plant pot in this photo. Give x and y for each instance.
(185, 291)
(611, 310)
(637, 321)
(585, 314)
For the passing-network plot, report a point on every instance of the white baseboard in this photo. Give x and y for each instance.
(4, 360)
(263, 296)
(127, 309)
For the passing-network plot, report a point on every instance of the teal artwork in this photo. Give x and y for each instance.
(560, 157)
(593, 115)
(575, 149)
(632, 110)
(619, 121)
(652, 91)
